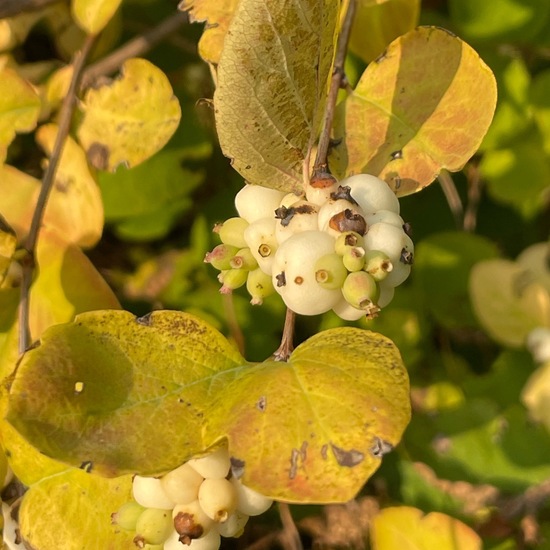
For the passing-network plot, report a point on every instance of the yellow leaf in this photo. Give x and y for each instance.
(93, 15)
(19, 106)
(129, 119)
(217, 15)
(407, 528)
(536, 395)
(75, 207)
(425, 105)
(272, 85)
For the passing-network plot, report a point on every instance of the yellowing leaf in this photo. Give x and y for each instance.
(144, 395)
(272, 83)
(377, 23)
(19, 106)
(73, 511)
(425, 105)
(93, 15)
(508, 300)
(129, 119)
(217, 15)
(8, 243)
(408, 528)
(75, 207)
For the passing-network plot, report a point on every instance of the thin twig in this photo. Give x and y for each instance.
(321, 162)
(474, 196)
(232, 321)
(290, 534)
(11, 8)
(453, 198)
(133, 48)
(65, 117)
(287, 340)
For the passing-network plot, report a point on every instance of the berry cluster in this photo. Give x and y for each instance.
(193, 505)
(342, 246)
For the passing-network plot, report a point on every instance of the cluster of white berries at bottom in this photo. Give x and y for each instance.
(192, 506)
(342, 246)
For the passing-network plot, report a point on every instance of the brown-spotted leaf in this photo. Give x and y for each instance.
(144, 395)
(315, 429)
(408, 528)
(423, 106)
(217, 15)
(72, 511)
(508, 300)
(129, 119)
(272, 84)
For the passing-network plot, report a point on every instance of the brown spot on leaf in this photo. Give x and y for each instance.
(145, 320)
(324, 450)
(261, 404)
(345, 458)
(380, 447)
(98, 155)
(294, 456)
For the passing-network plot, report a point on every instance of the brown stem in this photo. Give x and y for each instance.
(10, 8)
(290, 536)
(133, 48)
(453, 199)
(232, 321)
(321, 162)
(64, 124)
(474, 196)
(287, 340)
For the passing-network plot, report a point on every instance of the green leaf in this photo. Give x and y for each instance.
(541, 106)
(424, 106)
(310, 430)
(507, 301)
(19, 106)
(93, 15)
(376, 24)
(442, 269)
(272, 84)
(129, 119)
(72, 510)
(217, 15)
(502, 20)
(408, 528)
(518, 176)
(536, 395)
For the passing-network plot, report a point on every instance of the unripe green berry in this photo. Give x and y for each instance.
(330, 272)
(243, 259)
(127, 515)
(260, 238)
(354, 258)
(153, 526)
(232, 279)
(347, 239)
(360, 290)
(231, 232)
(259, 286)
(220, 257)
(377, 264)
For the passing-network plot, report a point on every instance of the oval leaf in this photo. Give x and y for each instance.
(272, 83)
(424, 105)
(408, 528)
(93, 15)
(129, 119)
(73, 510)
(314, 429)
(19, 106)
(507, 300)
(310, 430)
(217, 15)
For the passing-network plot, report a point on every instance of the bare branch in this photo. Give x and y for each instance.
(65, 117)
(289, 536)
(287, 340)
(10, 8)
(453, 199)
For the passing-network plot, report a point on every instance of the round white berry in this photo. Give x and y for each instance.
(371, 193)
(254, 202)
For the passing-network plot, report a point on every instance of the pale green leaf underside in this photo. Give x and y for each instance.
(272, 83)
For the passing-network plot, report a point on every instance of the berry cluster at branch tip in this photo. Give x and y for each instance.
(192, 506)
(342, 246)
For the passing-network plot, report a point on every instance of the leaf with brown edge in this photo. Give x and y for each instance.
(272, 83)
(145, 395)
(314, 429)
(423, 106)
(129, 119)
(408, 528)
(217, 15)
